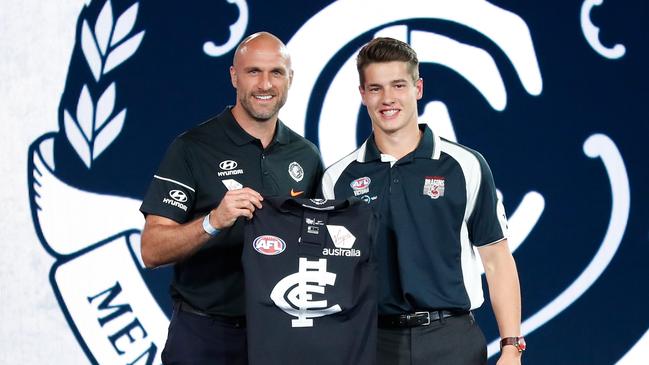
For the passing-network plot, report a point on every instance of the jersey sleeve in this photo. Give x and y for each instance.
(487, 221)
(172, 192)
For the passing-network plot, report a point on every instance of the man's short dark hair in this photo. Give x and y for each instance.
(384, 49)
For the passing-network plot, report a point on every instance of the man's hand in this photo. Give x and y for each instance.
(235, 204)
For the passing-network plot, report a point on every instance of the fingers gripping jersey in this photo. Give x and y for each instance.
(310, 283)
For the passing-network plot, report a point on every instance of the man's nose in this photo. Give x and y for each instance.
(388, 96)
(264, 82)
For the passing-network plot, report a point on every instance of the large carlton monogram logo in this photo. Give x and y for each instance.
(341, 102)
(98, 275)
(294, 293)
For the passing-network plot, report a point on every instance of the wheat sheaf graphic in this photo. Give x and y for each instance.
(105, 48)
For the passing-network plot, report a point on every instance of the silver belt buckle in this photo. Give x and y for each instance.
(427, 317)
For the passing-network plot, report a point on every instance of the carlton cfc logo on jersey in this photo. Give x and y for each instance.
(269, 245)
(361, 185)
(434, 186)
(294, 294)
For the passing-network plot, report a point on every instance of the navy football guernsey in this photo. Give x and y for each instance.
(310, 283)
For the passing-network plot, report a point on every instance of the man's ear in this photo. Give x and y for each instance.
(233, 76)
(361, 89)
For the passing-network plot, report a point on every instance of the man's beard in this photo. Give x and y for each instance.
(262, 115)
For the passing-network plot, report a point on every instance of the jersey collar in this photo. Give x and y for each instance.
(429, 147)
(297, 205)
(241, 137)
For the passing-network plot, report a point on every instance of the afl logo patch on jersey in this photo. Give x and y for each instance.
(269, 245)
(178, 195)
(361, 185)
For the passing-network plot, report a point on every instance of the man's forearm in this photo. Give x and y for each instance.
(164, 243)
(504, 288)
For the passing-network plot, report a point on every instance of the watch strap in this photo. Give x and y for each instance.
(518, 342)
(208, 228)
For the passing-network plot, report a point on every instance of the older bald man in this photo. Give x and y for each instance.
(212, 178)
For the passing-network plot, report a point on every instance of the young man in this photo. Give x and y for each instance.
(211, 179)
(436, 200)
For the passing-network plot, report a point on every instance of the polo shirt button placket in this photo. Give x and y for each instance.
(395, 176)
(263, 165)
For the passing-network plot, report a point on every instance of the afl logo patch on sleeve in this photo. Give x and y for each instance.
(269, 245)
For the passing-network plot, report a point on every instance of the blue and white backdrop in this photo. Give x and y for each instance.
(553, 93)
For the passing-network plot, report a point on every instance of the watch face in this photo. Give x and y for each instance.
(521, 345)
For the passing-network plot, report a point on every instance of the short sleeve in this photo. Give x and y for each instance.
(172, 192)
(487, 221)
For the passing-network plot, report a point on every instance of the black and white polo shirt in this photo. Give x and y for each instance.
(435, 205)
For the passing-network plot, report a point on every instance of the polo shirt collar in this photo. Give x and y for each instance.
(368, 151)
(282, 135)
(429, 147)
(240, 137)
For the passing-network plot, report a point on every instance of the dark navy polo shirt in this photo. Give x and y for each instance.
(200, 166)
(435, 205)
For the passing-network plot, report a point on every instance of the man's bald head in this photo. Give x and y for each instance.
(264, 42)
(261, 73)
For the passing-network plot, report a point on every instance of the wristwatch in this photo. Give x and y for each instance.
(518, 342)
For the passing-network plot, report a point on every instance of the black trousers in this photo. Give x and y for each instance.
(451, 341)
(197, 340)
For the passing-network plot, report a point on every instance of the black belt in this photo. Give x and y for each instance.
(415, 319)
(238, 321)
